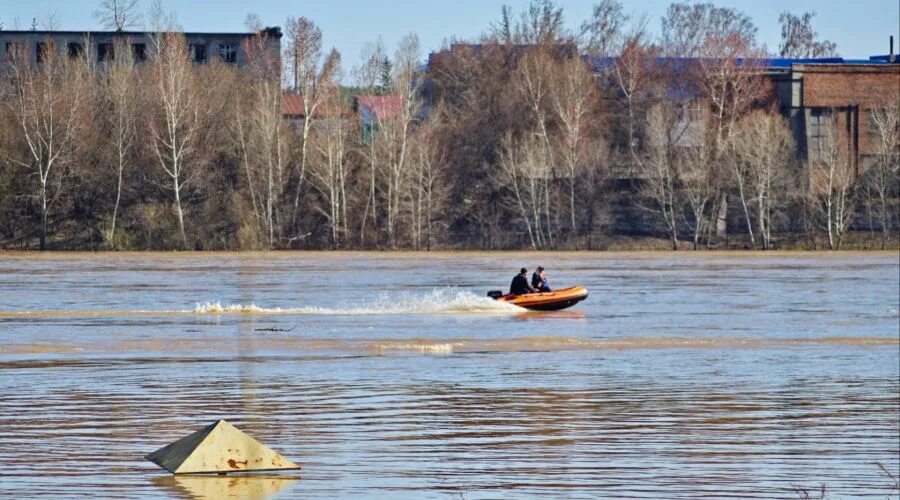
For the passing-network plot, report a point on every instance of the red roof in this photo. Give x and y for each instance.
(383, 106)
(291, 104)
(292, 107)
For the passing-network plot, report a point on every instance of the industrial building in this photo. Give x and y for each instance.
(100, 46)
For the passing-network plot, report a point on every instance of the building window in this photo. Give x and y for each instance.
(139, 51)
(14, 49)
(228, 52)
(40, 52)
(105, 52)
(198, 52)
(819, 121)
(75, 50)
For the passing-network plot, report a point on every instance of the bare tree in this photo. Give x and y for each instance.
(833, 183)
(686, 27)
(882, 180)
(367, 77)
(252, 22)
(633, 74)
(46, 105)
(120, 92)
(694, 183)
(523, 167)
(158, 20)
(731, 81)
(397, 130)
(328, 168)
(118, 15)
(259, 129)
(573, 98)
(533, 80)
(303, 52)
(659, 168)
(49, 22)
(429, 189)
(602, 33)
(689, 156)
(541, 23)
(798, 39)
(174, 128)
(763, 154)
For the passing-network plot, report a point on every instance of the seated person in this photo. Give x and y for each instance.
(539, 280)
(519, 285)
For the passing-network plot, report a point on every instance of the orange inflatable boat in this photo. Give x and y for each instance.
(544, 301)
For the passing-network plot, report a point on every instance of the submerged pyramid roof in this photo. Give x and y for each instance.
(218, 447)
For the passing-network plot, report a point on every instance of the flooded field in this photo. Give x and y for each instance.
(392, 375)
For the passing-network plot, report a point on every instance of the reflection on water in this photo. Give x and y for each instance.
(233, 486)
(680, 376)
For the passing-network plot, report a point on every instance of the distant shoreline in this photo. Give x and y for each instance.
(438, 253)
(857, 241)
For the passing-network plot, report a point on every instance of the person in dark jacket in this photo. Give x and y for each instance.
(519, 285)
(539, 281)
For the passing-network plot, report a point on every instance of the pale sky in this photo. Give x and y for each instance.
(860, 28)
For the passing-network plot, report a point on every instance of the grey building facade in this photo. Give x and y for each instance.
(99, 45)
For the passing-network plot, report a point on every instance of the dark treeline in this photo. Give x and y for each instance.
(514, 140)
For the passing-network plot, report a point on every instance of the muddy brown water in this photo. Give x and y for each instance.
(388, 374)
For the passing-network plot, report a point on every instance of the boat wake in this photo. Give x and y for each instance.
(438, 301)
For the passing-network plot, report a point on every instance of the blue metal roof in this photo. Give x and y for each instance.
(679, 64)
(786, 63)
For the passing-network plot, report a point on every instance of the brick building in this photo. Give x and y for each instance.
(842, 94)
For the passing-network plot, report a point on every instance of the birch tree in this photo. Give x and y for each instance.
(732, 82)
(573, 99)
(259, 131)
(46, 104)
(523, 168)
(174, 128)
(833, 183)
(763, 156)
(723, 41)
(367, 75)
(398, 131)
(120, 92)
(328, 169)
(429, 188)
(883, 179)
(659, 169)
(533, 80)
(694, 183)
(308, 71)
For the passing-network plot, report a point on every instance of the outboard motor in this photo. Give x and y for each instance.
(495, 294)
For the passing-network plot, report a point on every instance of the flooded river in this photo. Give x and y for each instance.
(391, 375)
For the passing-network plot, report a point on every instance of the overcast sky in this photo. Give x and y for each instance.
(859, 27)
